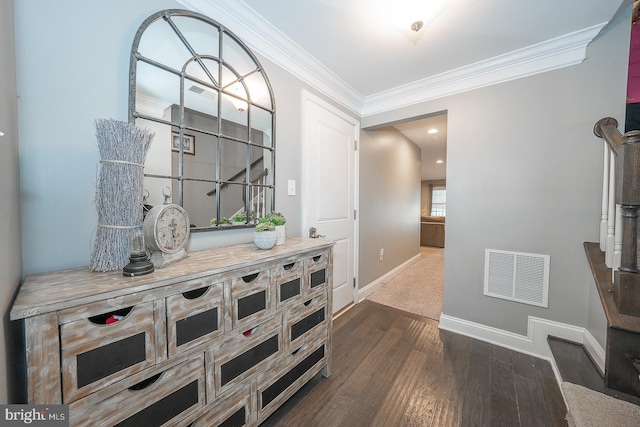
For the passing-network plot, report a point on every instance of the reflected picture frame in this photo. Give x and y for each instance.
(188, 143)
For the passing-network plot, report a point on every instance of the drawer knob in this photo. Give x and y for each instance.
(289, 266)
(317, 258)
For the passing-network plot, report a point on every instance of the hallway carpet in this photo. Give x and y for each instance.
(419, 288)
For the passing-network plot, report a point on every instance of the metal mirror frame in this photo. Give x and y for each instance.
(136, 57)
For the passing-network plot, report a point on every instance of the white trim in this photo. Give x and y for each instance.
(560, 52)
(261, 36)
(595, 350)
(373, 286)
(308, 97)
(534, 344)
(264, 38)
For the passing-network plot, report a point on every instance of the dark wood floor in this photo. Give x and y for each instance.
(575, 366)
(392, 368)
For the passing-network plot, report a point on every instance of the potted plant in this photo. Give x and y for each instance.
(265, 235)
(277, 219)
(239, 219)
(223, 221)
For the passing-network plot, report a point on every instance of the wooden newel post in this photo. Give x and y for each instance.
(629, 260)
(627, 280)
(628, 197)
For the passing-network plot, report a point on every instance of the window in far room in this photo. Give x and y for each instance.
(438, 201)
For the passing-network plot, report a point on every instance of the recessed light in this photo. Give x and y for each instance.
(439, 161)
(432, 130)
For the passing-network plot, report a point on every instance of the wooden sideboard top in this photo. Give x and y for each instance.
(58, 290)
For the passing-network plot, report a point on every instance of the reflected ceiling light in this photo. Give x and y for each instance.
(432, 131)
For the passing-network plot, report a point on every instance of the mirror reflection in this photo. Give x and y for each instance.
(210, 104)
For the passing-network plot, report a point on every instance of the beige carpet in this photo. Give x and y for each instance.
(588, 408)
(419, 288)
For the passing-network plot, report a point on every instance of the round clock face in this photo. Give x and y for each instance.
(166, 228)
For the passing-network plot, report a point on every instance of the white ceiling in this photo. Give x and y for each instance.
(371, 58)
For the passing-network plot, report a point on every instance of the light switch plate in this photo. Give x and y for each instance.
(291, 187)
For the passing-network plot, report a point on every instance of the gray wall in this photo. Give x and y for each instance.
(389, 202)
(72, 62)
(86, 77)
(524, 174)
(10, 253)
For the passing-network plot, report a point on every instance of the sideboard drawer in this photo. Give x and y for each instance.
(250, 298)
(316, 269)
(96, 353)
(305, 319)
(235, 410)
(274, 389)
(160, 400)
(242, 355)
(288, 279)
(194, 317)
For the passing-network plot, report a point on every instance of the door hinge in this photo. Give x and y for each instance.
(354, 215)
(355, 144)
(354, 283)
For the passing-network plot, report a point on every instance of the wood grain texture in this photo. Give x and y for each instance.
(76, 329)
(127, 402)
(393, 368)
(83, 335)
(43, 360)
(49, 292)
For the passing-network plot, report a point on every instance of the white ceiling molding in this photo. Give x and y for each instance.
(264, 38)
(560, 52)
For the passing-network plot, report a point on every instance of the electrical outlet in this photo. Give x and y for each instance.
(381, 254)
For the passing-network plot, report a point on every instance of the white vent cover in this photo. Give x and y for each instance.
(517, 277)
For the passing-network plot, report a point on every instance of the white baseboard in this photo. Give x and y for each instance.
(595, 350)
(373, 286)
(534, 343)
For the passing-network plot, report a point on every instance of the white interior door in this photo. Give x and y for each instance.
(330, 165)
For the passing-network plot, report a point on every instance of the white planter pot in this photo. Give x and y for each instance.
(265, 239)
(281, 233)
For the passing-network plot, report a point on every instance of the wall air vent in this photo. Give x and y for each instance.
(517, 277)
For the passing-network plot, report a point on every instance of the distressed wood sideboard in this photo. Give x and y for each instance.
(223, 337)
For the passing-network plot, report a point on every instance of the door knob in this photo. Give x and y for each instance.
(313, 233)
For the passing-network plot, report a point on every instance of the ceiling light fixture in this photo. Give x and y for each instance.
(439, 161)
(410, 16)
(432, 131)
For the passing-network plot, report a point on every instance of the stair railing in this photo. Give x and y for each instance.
(620, 208)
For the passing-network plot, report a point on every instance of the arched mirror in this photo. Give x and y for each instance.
(209, 102)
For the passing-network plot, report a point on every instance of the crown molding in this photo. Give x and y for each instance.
(264, 38)
(267, 40)
(564, 51)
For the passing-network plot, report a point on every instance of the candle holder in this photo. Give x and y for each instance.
(139, 263)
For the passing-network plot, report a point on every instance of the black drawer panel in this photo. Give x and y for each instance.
(165, 409)
(275, 389)
(318, 278)
(307, 323)
(289, 289)
(235, 420)
(252, 304)
(248, 359)
(192, 327)
(108, 359)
